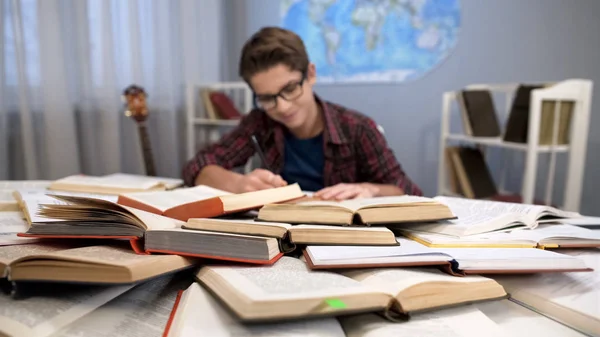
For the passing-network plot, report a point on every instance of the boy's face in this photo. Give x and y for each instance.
(285, 95)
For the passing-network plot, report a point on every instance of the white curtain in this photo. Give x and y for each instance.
(64, 65)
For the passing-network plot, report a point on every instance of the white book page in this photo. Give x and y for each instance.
(6, 196)
(142, 311)
(480, 216)
(12, 223)
(163, 200)
(356, 204)
(406, 248)
(562, 231)
(17, 184)
(577, 291)
(215, 321)
(395, 280)
(289, 279)
(170, 183)
(108, 181)
(464, 321)
(41, 316)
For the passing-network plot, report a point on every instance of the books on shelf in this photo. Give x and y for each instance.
(483, 216)
(289, 289)
(99, 264)
(469, 173)
(114, 183)
(454, 261)
(570, 298)
(81, 217)
(478, 113)
(543, 236)
(367, 211)
(206, 202)
(298, 234)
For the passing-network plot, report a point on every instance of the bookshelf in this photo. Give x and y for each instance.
(202, 130)
(578, 91)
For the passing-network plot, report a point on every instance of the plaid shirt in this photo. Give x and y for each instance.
(354, 149)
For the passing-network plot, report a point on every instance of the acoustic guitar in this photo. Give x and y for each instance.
(135, 101)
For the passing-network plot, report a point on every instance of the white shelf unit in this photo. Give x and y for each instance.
(201, 130)
(577, 90)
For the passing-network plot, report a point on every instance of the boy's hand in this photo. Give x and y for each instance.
(260, 179)
(347, 191)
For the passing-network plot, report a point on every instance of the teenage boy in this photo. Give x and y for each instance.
(324, 147)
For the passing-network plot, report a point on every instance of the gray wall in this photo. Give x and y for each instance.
(500, 41)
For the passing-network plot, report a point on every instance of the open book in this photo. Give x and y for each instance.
(570, 298)
(216, 321)
(543, 236)
(141, 311)
(82, 217)
(43, 315)
(206, 202)
(298, 234)
(482, 216)
(452, 260)
(11, 224)
(288, 289)
(368, 211)
(114, 183)
(105, 264)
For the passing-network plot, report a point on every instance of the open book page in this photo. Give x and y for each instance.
(118, 182)
(479, 216)
(216, 321)
(17, 184)
(164, 200)
(169, 183)
(465, 321)
(12, 223)
(121, 256)
(43, 315)
(576, 291)
(154, 221)
(519, 321)
(406, 248)
(142, 311)
(8, 254)
(356, 204)
(289, 278)
(395, 280)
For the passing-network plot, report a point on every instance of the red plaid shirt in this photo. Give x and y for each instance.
(354, 149)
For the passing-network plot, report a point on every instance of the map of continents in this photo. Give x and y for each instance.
(374, 40)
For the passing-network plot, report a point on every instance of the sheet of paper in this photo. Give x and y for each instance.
(216, 321)
(12, 223)
(456, 322)
(142, 311)
(43, 315)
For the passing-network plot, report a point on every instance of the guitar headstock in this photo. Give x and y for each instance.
(135, 100)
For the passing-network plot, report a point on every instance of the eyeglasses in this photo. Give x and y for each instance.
(289, 93)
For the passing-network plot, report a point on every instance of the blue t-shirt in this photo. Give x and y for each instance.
(303, 162)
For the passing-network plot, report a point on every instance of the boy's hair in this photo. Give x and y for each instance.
(269, 47)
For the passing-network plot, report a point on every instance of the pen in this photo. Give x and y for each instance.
(260, 153)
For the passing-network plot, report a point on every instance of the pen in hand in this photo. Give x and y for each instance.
(260, 153)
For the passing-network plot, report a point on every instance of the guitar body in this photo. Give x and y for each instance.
(135, 99)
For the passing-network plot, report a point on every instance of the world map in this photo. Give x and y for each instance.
(374, 40)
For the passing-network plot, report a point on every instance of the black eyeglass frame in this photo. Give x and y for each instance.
(281, 94)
